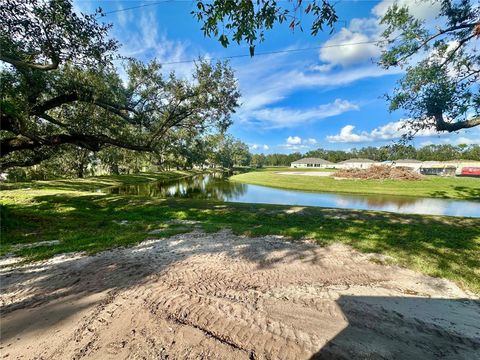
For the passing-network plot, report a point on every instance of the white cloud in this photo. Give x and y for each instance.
(294, 140)
(124, 17)
(352, 44)
(267, 80)
(346, 135)
(359, 52)
(363, 30)
(389, 131)
(369, 26)
(149, 42)
(294, 143)
(462, 140)
(259, 146)
(300, 79)
(467, 141)
(322, 68)
(279, 117)
(422, 10)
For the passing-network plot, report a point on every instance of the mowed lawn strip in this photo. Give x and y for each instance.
(90, 222)
(430, 186)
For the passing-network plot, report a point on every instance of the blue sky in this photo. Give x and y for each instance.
(329, 97)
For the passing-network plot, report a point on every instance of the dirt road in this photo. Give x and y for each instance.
(220, 296)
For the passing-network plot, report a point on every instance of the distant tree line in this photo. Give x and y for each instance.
(220, 151)
(442, 152)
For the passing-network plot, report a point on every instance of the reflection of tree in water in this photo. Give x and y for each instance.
(386, 201)
(212, 186)
(375, 201)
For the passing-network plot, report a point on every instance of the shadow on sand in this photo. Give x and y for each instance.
(405, 328)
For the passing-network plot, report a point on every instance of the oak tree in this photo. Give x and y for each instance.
(59, 86)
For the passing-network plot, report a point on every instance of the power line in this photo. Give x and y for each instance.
(242, 55)
(274, 52)
(137, 7)
(178, 1)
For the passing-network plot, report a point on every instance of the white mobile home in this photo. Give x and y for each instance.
(312, 163)
(437, 168)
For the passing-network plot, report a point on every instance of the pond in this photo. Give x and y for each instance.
(217, 187)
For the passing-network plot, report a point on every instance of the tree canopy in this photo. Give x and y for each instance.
(247, 20)
(440, 88)
(60, 87)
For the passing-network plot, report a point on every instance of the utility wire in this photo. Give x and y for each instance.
(274, 52)
(137, 7)
(173, 1)
(241, 55)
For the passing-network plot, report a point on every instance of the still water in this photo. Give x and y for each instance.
(217, 187)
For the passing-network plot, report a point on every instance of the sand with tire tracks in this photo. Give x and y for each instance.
(221, 296)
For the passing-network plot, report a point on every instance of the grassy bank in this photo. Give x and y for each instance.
(82, 220)
(97, 182)
(433, 186)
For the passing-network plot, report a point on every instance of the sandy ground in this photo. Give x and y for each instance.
(220, 296)
(306, 173)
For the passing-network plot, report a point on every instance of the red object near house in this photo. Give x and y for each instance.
(471, 171)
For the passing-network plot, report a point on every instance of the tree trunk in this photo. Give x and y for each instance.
(114, 169)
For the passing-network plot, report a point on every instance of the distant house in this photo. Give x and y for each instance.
(356, 164)
(438, 168)
(312, 163)
(410, 164)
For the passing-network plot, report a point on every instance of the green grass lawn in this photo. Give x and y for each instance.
(88, 221)
(288, 168)
(433, 186)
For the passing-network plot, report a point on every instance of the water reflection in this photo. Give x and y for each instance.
(217, 187)
(212, 186)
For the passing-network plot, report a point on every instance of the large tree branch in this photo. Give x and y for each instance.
(169, 123)
(35, 158)
(437, 34)
(24, 64)
(442, 125)
(54, 121)
(454, 51)
(173, 119)
(57, 101)
(91, 142)
(8, 122)
(53, 103)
